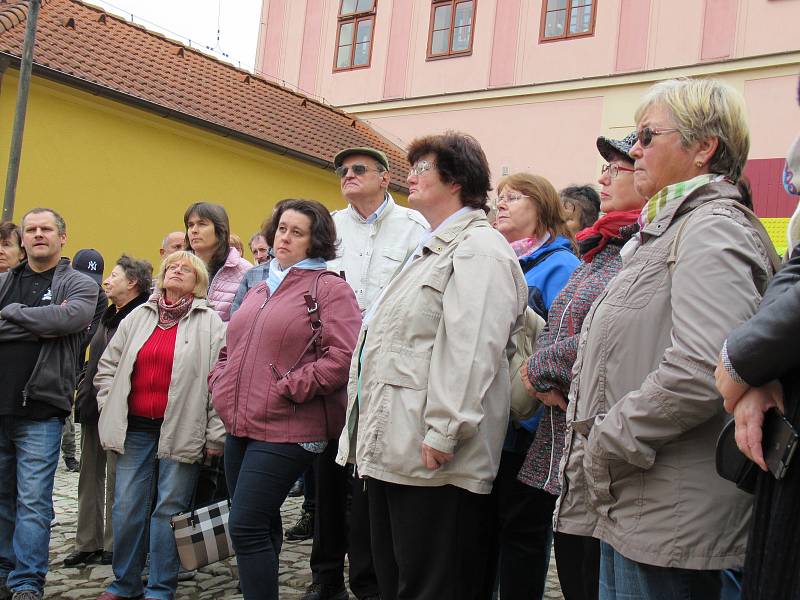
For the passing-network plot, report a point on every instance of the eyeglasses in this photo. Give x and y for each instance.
(420, 167)
(358, 170)
(179, 268)
(645, 136)
(613, 170)
(510, 198)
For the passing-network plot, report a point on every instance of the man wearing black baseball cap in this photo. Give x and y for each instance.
(89, 262)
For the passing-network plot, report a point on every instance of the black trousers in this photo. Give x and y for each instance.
(341, 526)
(578, 564)
(428, 542)
(520, 535)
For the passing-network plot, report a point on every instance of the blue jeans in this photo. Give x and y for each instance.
(259, 476)
(28, 459)
(148, 492)
(625, 579)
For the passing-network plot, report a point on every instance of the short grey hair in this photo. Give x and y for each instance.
(702, 109)
(60, 224)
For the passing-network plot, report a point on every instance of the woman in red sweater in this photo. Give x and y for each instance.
(155, 412)
(279, 384)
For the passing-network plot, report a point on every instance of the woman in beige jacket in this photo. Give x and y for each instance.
(644, 414)
(156, 412)
(429, 388)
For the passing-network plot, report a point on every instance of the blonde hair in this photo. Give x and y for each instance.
(200, 272)
(539, 190)
(702, 109)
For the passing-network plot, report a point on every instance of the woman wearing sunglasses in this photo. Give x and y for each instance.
(549, 371)
(644, 415)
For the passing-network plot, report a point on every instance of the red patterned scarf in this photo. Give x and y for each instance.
(593, 239)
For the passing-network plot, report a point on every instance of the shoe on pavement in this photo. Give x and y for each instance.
(325, 591)
(79, 557)
(72, 464)
(107, 558)
(110, 596)
(26, 595)
(303, 529)
(296, 489)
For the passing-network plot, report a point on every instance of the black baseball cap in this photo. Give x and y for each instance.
(89, 262)
(611, 149)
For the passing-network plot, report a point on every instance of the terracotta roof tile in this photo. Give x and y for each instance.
(129, 62)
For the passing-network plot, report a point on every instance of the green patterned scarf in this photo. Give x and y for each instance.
(672, 196)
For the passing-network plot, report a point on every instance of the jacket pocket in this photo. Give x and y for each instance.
(391, 259)
(636, 285)
(405, 370)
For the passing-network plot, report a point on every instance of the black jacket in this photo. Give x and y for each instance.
(86, 399)
(60, 326)
(762, 349)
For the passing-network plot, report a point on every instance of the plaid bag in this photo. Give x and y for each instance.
(201, 535)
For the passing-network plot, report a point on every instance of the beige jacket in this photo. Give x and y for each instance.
(644, 414)
(190, 421)
(435, 362)
(371, 253)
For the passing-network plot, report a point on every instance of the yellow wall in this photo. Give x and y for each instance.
(122, 177)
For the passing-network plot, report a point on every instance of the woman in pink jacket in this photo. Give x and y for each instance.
(207, 234)
(279, 384)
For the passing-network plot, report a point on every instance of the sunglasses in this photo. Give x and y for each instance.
(613, 170)
(420, 167)
(358, 170)
(645, 135)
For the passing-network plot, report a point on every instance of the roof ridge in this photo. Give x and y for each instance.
(226, 64)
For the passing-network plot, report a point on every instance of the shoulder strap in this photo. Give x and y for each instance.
(313, 311)
(769, 247)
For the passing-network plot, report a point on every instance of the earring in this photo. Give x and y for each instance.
(698, 163)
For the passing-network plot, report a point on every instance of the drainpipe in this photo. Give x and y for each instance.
(21, 108)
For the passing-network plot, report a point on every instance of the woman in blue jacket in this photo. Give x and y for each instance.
(531, 217)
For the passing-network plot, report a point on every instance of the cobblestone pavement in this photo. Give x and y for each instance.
(214, 582)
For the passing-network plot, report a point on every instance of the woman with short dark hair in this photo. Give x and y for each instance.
(208, 234)
(430, 390)
(279, 383)
(581, 205)
(11, 251)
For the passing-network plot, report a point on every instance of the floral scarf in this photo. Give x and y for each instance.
(528, 245)
(170, 314)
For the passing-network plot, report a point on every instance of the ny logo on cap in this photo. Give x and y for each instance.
(92, 266)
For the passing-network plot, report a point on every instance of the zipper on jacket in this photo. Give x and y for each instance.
(24, 398)
(244, 356)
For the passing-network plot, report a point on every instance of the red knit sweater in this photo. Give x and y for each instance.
(152, 374)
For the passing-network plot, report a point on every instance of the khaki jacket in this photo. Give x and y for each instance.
(435, 362)
(644, 414)
(190, 421)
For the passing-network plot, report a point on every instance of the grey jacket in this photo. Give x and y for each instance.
(435, 363)
(61, 326)
(644, 414)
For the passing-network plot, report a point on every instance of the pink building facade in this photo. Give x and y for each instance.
(536, 81)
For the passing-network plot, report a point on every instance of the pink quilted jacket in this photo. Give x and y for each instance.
(223, 288)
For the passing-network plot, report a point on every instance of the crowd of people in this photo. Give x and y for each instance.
(365, 360)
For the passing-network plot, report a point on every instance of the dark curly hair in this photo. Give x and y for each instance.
(459, 159)
(585, 199)
(139, 271)
(323, 230)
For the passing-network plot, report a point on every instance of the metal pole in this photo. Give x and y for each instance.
(25, 69)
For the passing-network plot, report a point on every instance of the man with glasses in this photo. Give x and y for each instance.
(376, 237)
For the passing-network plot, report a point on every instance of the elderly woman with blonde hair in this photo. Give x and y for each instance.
(156, 413)
(643, 414)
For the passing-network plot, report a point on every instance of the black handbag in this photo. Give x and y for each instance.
(732, 464)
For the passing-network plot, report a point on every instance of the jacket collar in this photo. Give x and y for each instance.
(445, 236)
(390, 204)
(112, 317)
(705, 193)
(557, 244)
(233, 257)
